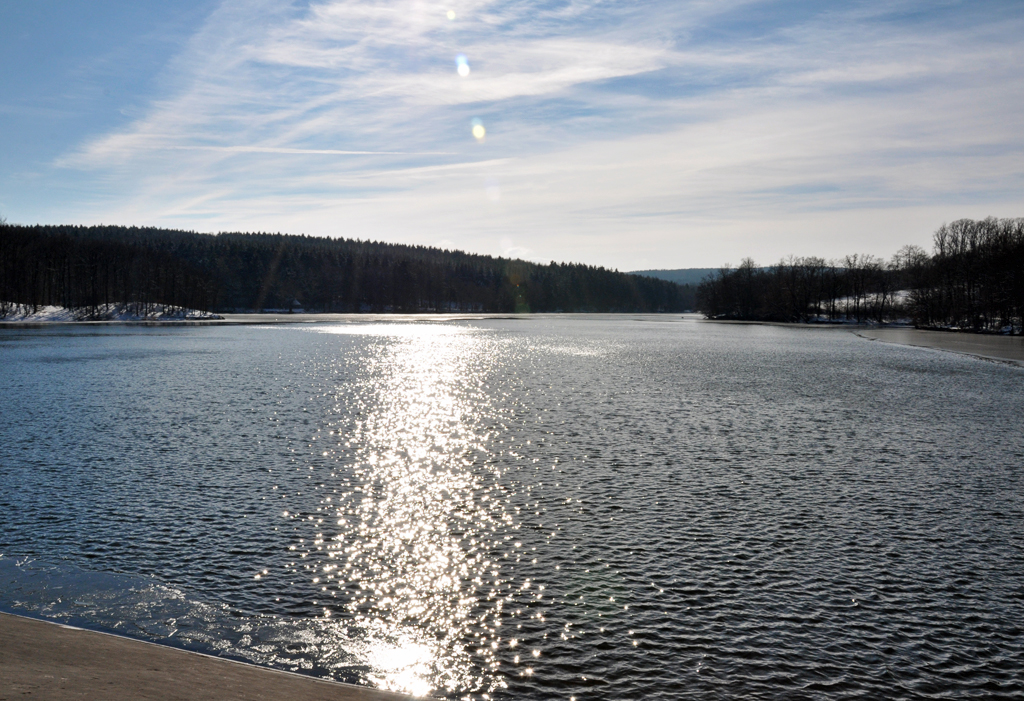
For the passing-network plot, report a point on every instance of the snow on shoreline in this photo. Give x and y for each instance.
(106, 312)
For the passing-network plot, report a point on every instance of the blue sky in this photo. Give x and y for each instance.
(627, 134)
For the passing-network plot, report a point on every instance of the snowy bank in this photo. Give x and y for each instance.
(10, 312)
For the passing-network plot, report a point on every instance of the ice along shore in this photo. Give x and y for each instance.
(991, 347)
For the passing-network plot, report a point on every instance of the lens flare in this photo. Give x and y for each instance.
(478, 129)
(462, 65)
(451, 14)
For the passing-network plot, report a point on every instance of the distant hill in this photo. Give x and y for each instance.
(682, 276)
(88, 267)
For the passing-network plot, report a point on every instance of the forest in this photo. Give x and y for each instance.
(89, 267)
(973, 280)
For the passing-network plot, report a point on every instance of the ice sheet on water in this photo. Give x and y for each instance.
(116, 602)
(142, 608)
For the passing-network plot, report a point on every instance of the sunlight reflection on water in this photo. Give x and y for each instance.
(606, 508)
(417, 520)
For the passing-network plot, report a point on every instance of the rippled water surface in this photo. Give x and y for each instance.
(537, 508)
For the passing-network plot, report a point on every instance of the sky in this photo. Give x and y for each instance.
(632, 135)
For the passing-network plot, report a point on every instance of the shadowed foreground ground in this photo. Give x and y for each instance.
(42, 660)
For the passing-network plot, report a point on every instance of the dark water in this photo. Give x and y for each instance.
(545, 508)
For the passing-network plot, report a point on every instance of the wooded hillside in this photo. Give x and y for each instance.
(89, 266)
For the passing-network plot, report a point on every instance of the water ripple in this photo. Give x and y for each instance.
(589, 508)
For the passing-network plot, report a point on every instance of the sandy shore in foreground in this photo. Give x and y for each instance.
(1004, 348)
(42, 660)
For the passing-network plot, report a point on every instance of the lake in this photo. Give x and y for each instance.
(551, 507)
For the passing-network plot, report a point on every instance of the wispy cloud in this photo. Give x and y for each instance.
(301, 151)
(355, 72)
(667, 134)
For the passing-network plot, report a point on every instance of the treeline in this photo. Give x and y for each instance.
(40, 268)
(973, 280)
(253, 272)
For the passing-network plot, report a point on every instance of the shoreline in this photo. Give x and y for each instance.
(260, 319)
(49, 660)
(229, 319)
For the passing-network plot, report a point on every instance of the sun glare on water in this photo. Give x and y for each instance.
(418, 517)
